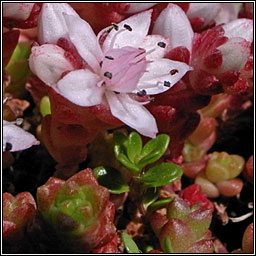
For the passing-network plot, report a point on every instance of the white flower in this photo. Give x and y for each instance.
(15, 138)
(123, 63)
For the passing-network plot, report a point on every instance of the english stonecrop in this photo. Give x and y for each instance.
(121, 67)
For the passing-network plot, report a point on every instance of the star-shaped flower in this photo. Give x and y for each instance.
(124, 64)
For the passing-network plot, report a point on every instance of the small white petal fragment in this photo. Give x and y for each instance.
(16, 139)
(80, 87)
(138, 7)
(18, 11)
(239, 28)
(85, 41)
(173, 23)
(228, 12)
(132, 113)
(235, 53)
(131, 32)
(207, 11)
(156, 46)
(48, 63)
(162, 75)
(51, 22)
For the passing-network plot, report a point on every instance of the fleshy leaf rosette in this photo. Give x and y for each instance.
(17, 212)
(78, 210)
(184, 229)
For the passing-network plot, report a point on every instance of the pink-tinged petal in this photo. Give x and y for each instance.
(161, 75)
(235, 53)
(132, 114)
(130, 79)
(138, 7)
(19, 11)
(51, 23)
(228, 12)
(131, 32)
(80, 87)
(84, 39)
(174, 24)
(157, 44)
(48, 63)
(207, 11)
(239, 28)
(15, 138)
(126, 66)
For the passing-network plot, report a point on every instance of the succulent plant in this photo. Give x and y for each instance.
(18, 211)
(79, 210)
(184, 229)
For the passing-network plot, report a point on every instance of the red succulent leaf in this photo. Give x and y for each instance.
(230, 187)
(110, 247)
(17, 212)
(157, 221)
(180, 234)
(248, 171)
(192, 194)
(247, 242)
(10, 40)
(155, 251)
(202, 246)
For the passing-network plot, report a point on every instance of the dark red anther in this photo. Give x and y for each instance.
(174, 71)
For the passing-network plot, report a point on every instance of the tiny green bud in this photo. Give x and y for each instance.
(45, 106)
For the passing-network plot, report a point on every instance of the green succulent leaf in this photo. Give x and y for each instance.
(120, 149)
(153, 150)
(134, 147)
(161, 175)
(168, 245)
(149, 197)
(129, 244)
(159, 204)
(111, 179)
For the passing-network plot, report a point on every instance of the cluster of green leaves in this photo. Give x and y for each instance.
(130, 151)
(133, 155)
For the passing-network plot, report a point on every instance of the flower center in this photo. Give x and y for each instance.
(121, 65)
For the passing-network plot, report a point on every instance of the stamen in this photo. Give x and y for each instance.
(141, 56)
(161, 44)
(109, 57)
(101, 63)
(8, 146)
(174, 71)
(115, 26)
(108, 75)
(142, 93)
(114, 37)
(167, 84)
(101, 83)
(129, 28)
